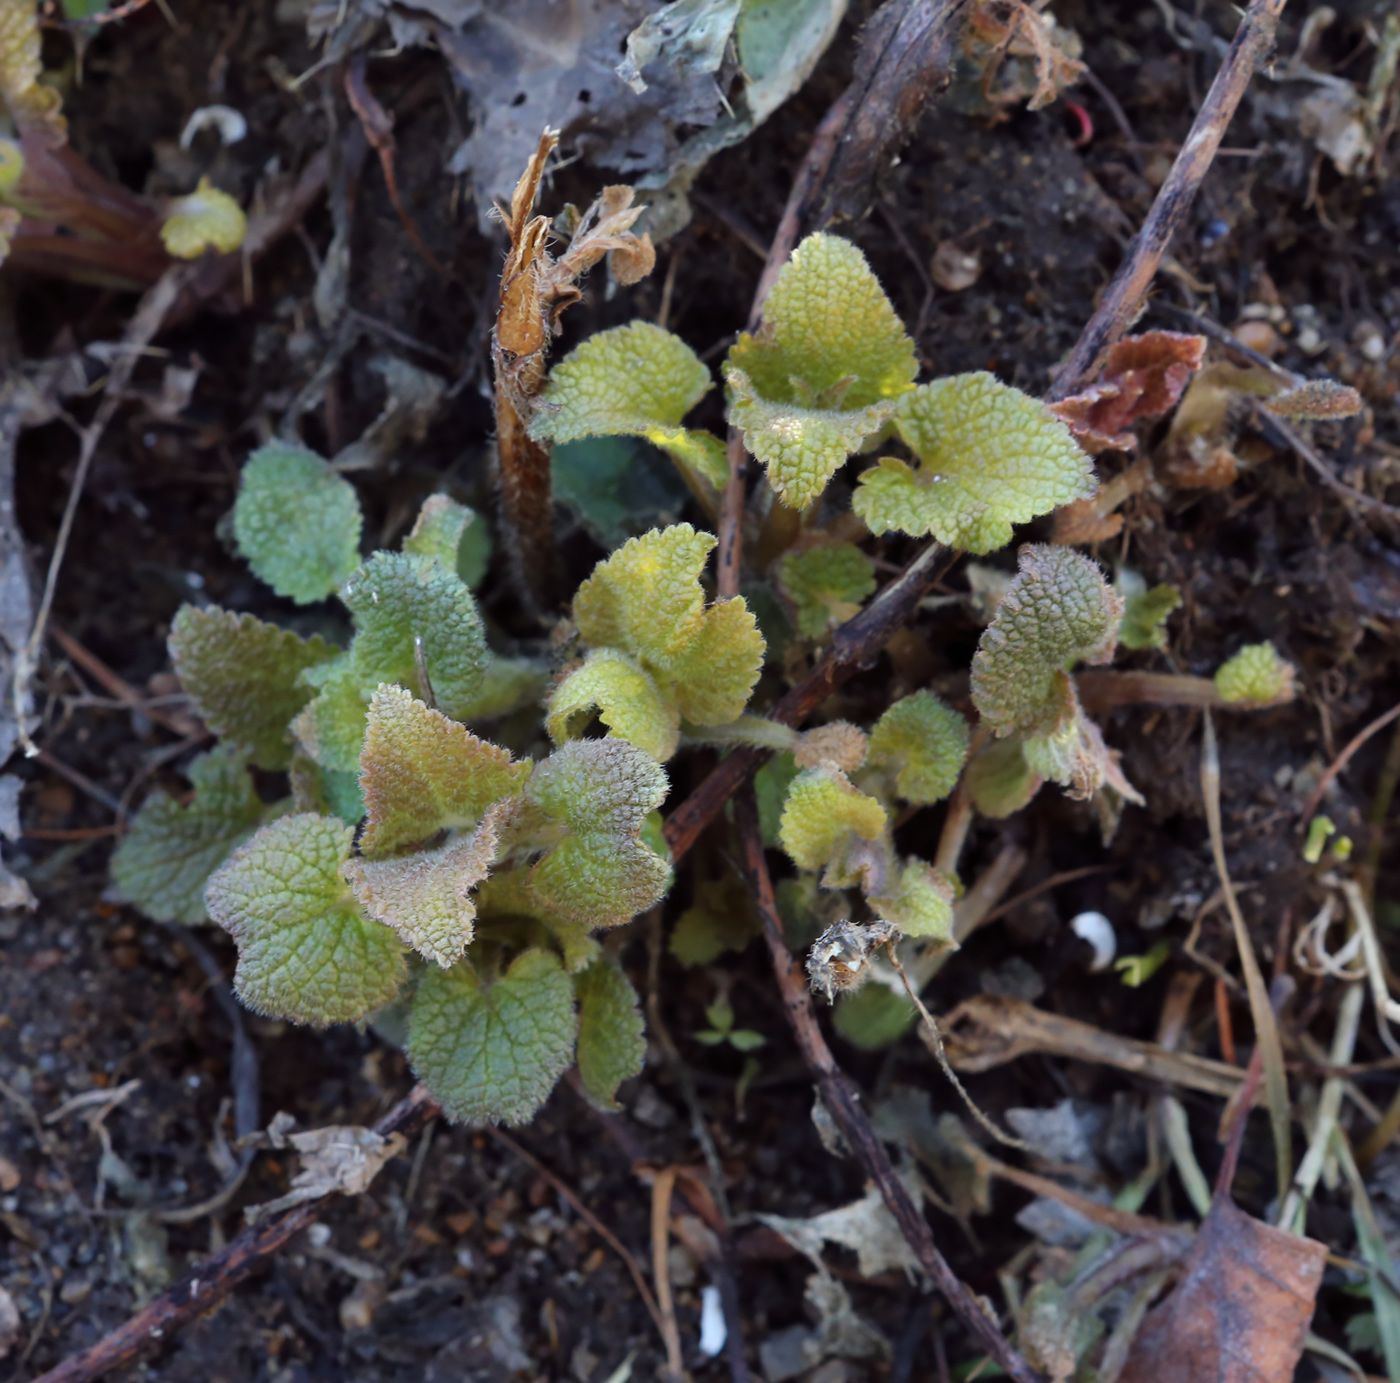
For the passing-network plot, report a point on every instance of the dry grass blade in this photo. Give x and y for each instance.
(1261, 1011)
(661, 1190)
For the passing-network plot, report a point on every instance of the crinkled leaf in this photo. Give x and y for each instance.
(29, 102)
(646, 600)
(696, 450)
(611, 1045)
(714, 678)
(637, 379)
(421, 772)
(1058, 611)
(438, 530)
(1069, 748)
(821, 811)
(425, 896)
(999, 779)
(397, 598)
(601, 872)
(989, 457)
(837, 744)
(828, 330)
(722, 918)
(926, 741)
(1145, 611)
(800, 447)
(244, 677)
(297, 522)
(921, 903)
(492, 1052)
(332, 727)
(626, 698)
(305, 949)
(509, 894)
(166, 858)
(827, 584)
(1255, 676)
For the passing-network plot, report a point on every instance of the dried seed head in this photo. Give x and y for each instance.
(839, 957)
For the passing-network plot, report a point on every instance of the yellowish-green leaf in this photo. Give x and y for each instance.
(722, 918)
(490, 1052)
(1058, 611)
(801, 447)
(611, 1045)
(925, 741)
(305, 949)
(821, 812)
(999, 779)
(874, 1016)
(1255, 676)
(207, 219)
(425, 896)
(509, 895)
(696, 449)
(244, 677)
(626, 698)
(714, 678)
(827, 584)
(601, 872)
(438, 530)
(989, 457)
(166, 858)
(635, 379)
(297, 522)
(400, 601)
(830, 336)
(332, 727)
(421, 772)
(920, 904)
(29, 102)
(507, 685)
(1144, 611)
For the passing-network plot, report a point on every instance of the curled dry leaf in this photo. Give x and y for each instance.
(344, 1158)
(1143, 377)
(1241, 1310)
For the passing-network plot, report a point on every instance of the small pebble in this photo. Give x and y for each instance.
(1097, 930)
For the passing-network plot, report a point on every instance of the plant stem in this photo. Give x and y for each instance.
(842, 1100)
(1120, 303)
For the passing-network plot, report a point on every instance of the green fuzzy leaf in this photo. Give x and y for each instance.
(305, 950)
(990, 456)
(635, 380)
(801, 448)
(474, 553)
(1058, 611)
(821, 811)
(828, 329)
(244, 677)
(771, 784)
(438, 530)
(999, 779)
(722, 918)
(507, 685)
(425, 897)
(297, 522)
(509, 895)
(646, 600)
(611, 1045)
(874, 1016)
(827, 584)
(921, 903)
(166, 858)
(601, 872)
(925, 741)
(342, 795)
(1145, 611)
(619, 487)
(421, 772)
(1255, 676)
(397, 598)
(332, 727)
(626, 698)
(492, 1052)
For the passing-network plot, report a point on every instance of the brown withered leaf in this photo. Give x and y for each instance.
(1241, 1311)
(1094, 520)
(1143, 377)
(1316, 398)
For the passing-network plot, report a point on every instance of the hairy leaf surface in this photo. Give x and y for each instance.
(626, 698)
(611, 1045)
(297, 522)
(438, 530)
(925, 741)
(989, 457)
(244, 676)
(305, 949)
(1255, 676)
(821, 811)
(492, 1052)
(827, 584)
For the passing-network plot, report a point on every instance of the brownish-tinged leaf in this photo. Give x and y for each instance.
(1143, 377)
(1094, 520)
(1241, 1311)
(1316, 398)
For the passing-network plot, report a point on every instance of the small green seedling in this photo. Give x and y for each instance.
(723, 1033)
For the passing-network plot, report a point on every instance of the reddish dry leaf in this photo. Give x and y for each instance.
(1143, 377)
(1094, 520)
(1241, 1311)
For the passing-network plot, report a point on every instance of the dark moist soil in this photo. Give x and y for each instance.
(488, 1273)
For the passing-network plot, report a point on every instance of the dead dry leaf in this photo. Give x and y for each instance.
(340, 1157)
(1241, 1311)
(11, 1327)
(865, 1226)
